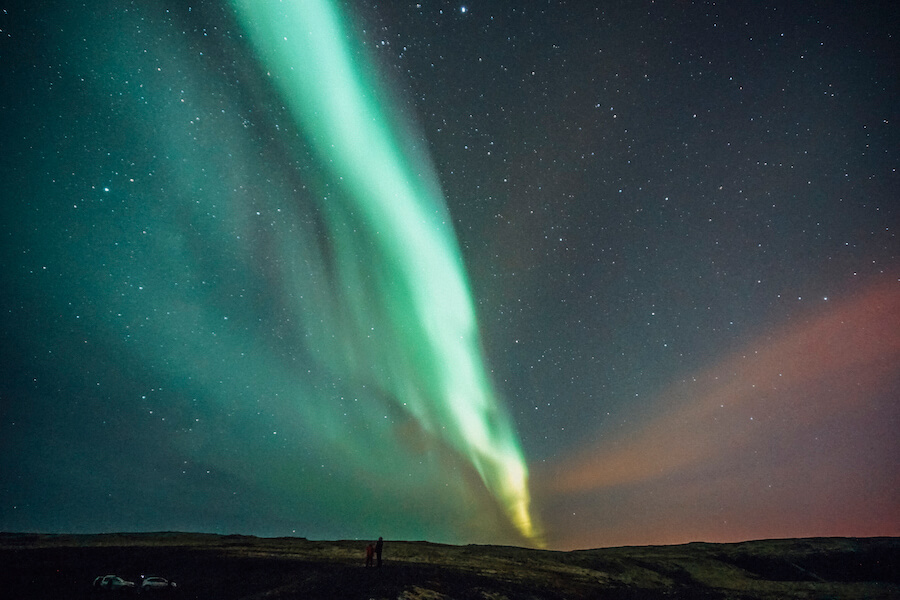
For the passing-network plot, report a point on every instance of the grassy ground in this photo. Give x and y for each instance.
(239, 567)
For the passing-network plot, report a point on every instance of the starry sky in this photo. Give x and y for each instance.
(570, 274)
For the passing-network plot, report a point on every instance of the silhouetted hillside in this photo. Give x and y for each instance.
(243, 567)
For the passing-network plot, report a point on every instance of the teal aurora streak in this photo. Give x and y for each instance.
(399, 316)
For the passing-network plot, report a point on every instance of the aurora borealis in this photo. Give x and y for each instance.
(566, 274)
(423, 350)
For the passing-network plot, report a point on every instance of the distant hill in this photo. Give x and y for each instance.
(244, 567)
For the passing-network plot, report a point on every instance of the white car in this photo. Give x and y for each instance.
(113, 582)
(157, 583)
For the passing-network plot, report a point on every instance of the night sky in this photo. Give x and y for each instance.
(573, 274)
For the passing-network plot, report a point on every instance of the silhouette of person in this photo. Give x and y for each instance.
(379, 545)
(370, 555)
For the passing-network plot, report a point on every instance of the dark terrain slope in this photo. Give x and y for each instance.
(233, 567)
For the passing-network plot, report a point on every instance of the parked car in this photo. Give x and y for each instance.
(152, 584)
(113, 583)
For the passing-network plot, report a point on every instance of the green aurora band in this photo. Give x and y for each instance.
(402, 317)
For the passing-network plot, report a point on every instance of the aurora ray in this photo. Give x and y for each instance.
(400, 313)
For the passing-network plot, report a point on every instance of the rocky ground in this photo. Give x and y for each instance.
(242, 567)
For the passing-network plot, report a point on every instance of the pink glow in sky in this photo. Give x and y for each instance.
(795, 435)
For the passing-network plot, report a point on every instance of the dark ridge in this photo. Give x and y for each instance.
(233, 567)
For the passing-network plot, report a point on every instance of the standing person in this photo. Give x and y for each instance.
(378, 547)
(370, 554)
